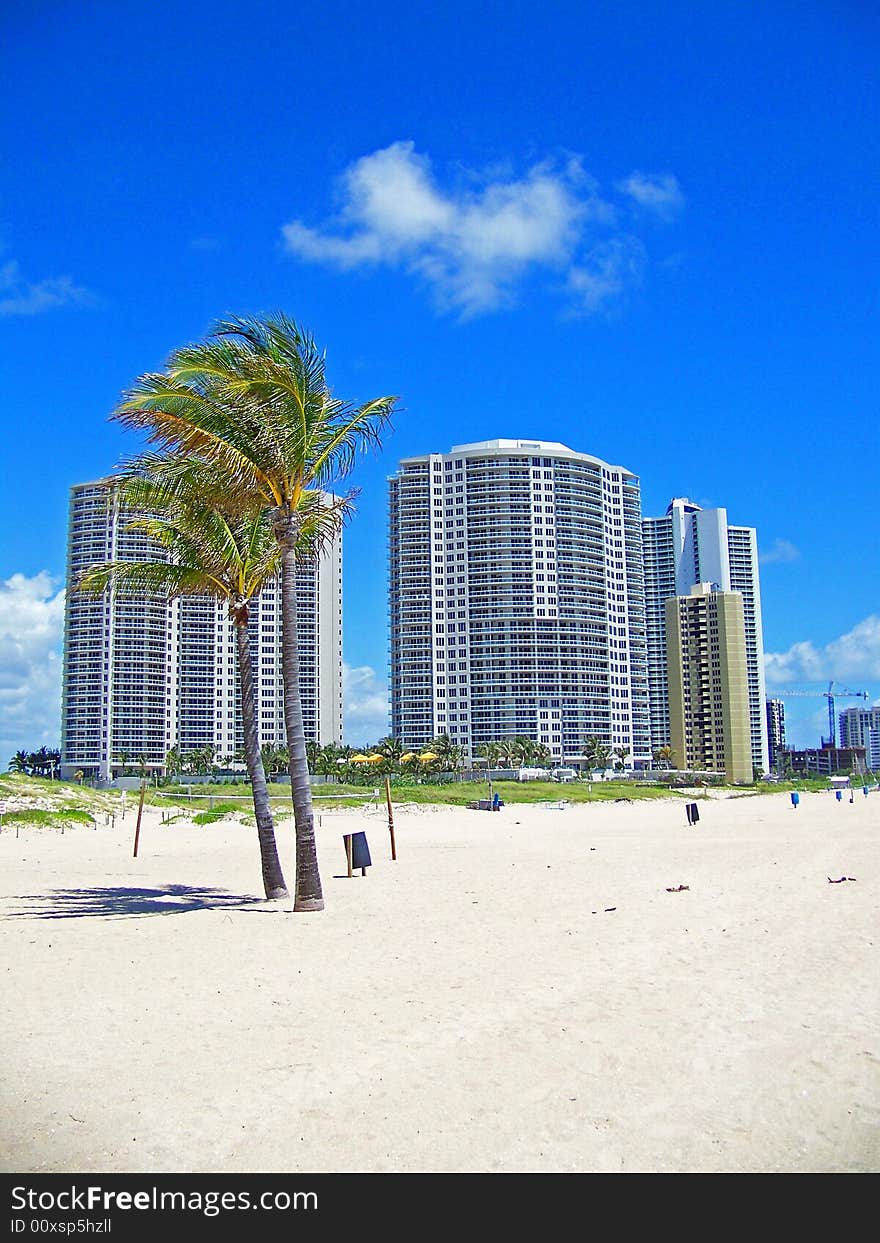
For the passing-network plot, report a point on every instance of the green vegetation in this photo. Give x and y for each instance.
(40, 818)
(218, 813)
(460, 793)
(42, 763)
(56, 795)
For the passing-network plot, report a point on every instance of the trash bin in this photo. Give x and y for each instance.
(795, 798)
(360, 851)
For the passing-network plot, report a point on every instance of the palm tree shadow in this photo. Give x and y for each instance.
(119, 902)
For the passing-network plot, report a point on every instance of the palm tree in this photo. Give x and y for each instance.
(173, 761)
(491, 754)
(392, 749)
(211, 553)
(449, 755)
(20, 762)
(253, 399)
(542, 756)
(508, 752)
(664, 757)
(597, 754)
(327, 758)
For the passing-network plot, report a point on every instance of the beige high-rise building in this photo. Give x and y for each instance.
(708, 682)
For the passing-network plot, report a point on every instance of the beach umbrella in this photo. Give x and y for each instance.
(427, 755)
(375, 759)
(410, 755)
(360, 759)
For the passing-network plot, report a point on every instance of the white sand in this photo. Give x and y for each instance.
(471, 1007)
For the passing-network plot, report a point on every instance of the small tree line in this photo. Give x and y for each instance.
(42, 763)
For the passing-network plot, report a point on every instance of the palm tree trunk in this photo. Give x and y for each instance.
(309, 895)
(273, 877)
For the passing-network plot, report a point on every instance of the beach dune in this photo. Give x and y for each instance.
(585, 988)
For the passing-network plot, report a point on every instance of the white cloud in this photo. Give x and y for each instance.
(657, 192)
(31, 630)
(780, 550)
(21, 297)
(609, 269)
(472, 244)
(854, 657)
(365, 705)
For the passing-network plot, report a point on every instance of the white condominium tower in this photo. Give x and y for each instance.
(517, 600)
(144, 675)
(860, 727)
(687, 546)
(775, 731)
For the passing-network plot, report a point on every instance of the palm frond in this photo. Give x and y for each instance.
(252, 402)
(144, 578)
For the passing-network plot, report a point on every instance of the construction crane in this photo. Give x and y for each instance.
(830, 695)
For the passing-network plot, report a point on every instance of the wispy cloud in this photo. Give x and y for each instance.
(474, 243)
(22, 297)
(365, 701)
(609, 269)
(656, 192)
(855, 656)
(780, 550)
(31, 629)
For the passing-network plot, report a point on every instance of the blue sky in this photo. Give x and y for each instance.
(647, 230)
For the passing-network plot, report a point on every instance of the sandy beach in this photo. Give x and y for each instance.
(527, 990)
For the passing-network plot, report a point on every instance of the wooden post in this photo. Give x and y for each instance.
(347, 837)
(137, 828)
(390, 816)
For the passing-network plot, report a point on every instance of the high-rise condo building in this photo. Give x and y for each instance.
(860, 727)
(708, 682)
(775, 730)
(687, 546)
(517, 599)
(144, 675)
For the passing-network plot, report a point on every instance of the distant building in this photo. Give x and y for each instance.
(860, 727)
(687, 546)
(824, 761)
(708, 682)
(775, 729)
(144, 675)
(517, 599)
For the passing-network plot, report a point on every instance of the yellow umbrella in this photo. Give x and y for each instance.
(427, 755)
(360, 759)
(375, 759)
(410, 755)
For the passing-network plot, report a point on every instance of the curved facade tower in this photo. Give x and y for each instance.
(517, 599)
